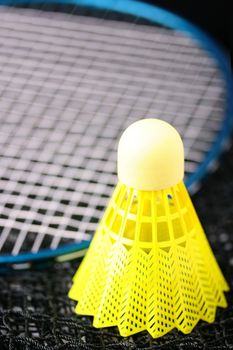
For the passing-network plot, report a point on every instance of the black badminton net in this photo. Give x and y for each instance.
(70, 83)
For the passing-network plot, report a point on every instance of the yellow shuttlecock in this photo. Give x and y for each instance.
(149, 265)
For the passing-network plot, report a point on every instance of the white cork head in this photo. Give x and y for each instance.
(150, 155)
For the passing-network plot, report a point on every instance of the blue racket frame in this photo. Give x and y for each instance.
(170, 20)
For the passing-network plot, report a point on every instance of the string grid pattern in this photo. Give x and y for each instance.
(69, 86)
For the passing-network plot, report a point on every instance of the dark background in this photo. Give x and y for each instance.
(214, 17)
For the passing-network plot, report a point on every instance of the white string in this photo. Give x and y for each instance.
(69, 86)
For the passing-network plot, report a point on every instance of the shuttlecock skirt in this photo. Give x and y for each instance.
(149, 266)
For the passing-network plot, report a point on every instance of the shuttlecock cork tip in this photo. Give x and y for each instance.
(150, 156)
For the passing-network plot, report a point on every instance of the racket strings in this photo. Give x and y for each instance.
(69, 86)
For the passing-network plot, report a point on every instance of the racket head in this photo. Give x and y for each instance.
(97, 171)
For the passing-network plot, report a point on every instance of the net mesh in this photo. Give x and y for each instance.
(69, 85)
(36, 314)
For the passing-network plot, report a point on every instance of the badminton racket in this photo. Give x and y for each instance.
(74, 75)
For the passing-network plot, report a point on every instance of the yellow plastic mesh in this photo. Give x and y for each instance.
(149, 266)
